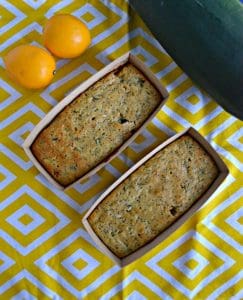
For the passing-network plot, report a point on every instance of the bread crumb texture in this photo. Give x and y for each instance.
(154, 196)
(95, 124)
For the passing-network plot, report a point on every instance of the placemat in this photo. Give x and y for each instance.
(44, 251)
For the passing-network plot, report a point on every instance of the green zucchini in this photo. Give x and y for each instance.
(205, 38)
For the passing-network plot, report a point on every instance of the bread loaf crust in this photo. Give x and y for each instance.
(154, 196)
(95, 124)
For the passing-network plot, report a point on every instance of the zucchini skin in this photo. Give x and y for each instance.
(205, 38)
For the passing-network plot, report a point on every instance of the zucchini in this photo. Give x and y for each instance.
(205, 38)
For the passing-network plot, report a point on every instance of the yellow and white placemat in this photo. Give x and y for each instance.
(44, 251)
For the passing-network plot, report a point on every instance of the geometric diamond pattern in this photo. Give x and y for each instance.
(180, 263)
(8, 177)
(144, 55)
(211, 222)
(229, 288)
(34, 4)
(36, 219)
(89, 267)
(192, 100)
(5, 262)
(14, 95)
(16, 136)
(233, 220)
(160, 264)
(136, 284)
(25, 279)
(94, 15)
(19, 15)
(25, 295)
(235, 139)
(44, 251)
(68, 263)
(135, 295)
(148, 139)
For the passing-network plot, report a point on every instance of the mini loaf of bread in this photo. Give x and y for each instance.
(154, 196)
(95, 124)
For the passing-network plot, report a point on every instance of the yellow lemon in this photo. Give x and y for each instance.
(30, 66)
(66, 36)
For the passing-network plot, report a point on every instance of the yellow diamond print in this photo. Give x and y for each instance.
(23, 295)
(2, 177)
(44, 251)
(4, 93)
(6, 177)
(6, 16)
(193, 99)
(191, 264)
(87, 17)
(175, 263)
(13, 214)
(92, 16)
(241, 139)
(5, 262)
(198, 262)
(24, 285)
(170, 263)
(80, 256)
(224, 220)
(35, 219)
(24, 135)
(139, 139)
(137, 286)
(65, 261)
(235, 220)
(140, 56)
(10, 16)
(67, 83)
(79, 264)
(27, 220)
(240, 220)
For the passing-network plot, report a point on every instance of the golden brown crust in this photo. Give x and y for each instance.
(154, 196)
(94, 125)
